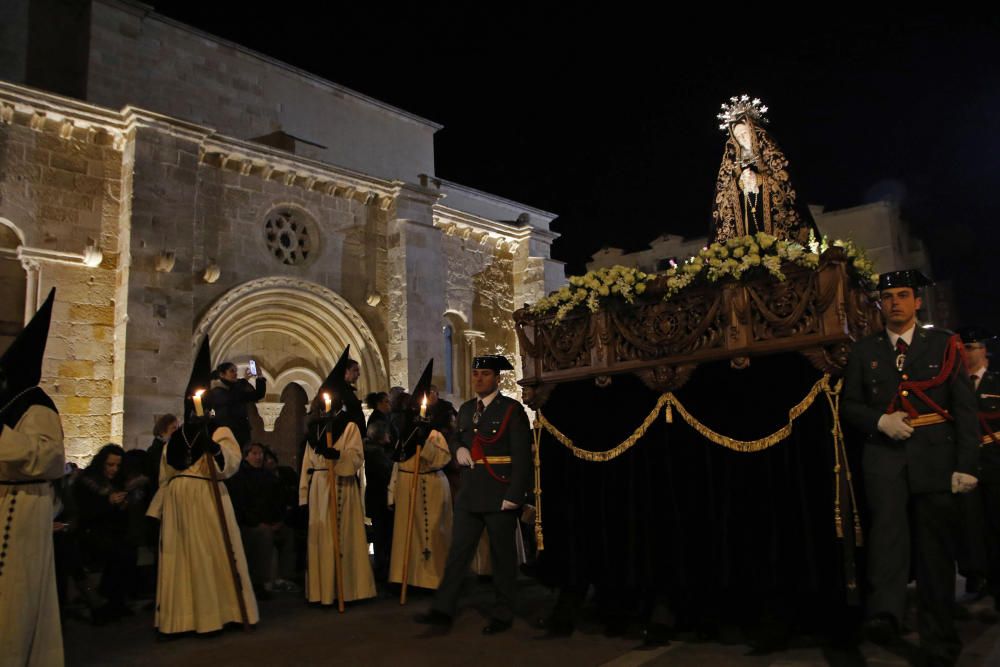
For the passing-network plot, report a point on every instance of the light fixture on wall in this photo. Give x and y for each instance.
(92, 255)
(211, 273)
(165, 261)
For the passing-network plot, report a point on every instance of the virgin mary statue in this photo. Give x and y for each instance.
(753, 192)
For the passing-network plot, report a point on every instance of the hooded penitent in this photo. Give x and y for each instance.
(21, 367)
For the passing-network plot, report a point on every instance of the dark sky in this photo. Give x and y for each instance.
(609, 119)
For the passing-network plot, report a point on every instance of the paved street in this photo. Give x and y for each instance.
(382, 632)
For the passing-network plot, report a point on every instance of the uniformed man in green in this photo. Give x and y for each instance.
(907, 389)
(494, 449)
(986, 383)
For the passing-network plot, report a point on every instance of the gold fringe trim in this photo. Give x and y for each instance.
(668, 403)
(539, 540)
(615, 452)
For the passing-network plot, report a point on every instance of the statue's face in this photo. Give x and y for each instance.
(742, 135)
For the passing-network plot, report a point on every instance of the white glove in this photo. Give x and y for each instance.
(464, 458)
(507, 505)
(895, 426)
(962, 482)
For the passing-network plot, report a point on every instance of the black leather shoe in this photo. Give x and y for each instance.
(434, 617)
(881, 629)
(496, 626)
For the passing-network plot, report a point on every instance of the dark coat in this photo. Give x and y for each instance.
(932, 453)
(988, 398)
(479, 491)
(257, 496)
(230, 404)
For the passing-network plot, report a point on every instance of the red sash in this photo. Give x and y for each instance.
(953, 353)
(479, 440)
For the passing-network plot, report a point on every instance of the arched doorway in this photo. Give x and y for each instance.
(294, 330)
(13, 284)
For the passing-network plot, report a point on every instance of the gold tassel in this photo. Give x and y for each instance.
(838, 521)
(539, 539)
(670, 412)
(859, 538)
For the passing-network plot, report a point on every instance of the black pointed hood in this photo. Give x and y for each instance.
(335, 380)
(201, 378)
(21, 363)
(423, 386)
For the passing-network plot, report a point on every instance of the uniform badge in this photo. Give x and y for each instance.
(874, 365)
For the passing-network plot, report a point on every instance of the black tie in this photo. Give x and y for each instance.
(901, 347)
(479, 411)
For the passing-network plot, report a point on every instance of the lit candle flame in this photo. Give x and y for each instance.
(198, 409)
(327, 401)
(423, 407)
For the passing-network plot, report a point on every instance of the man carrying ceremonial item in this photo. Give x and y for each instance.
(494, 450)
(328, 484)
(421, 494)
(203, 582)
(907, 390)
(31, 455)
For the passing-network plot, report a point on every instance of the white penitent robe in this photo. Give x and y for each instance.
(314, 490)
(432, 515)
(30, 632)
(195, 589)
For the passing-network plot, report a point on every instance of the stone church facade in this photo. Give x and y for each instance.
(171, 184)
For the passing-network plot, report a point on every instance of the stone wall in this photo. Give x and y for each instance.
(149, 61)
(62, 186)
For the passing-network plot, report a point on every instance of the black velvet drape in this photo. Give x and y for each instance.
(718, 534)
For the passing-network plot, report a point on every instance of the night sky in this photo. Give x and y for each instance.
(609, 120)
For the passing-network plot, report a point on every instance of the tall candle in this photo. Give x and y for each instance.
(423, 407)
(198, 409)
(328, 402)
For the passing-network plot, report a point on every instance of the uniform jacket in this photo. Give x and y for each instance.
(479, 491)
(988, 399)
(932, 453)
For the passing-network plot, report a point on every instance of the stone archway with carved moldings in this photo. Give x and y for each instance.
(314, 317)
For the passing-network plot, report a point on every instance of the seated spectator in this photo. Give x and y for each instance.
(104, 526)
(260, 509)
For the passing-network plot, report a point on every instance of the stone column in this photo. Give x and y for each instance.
(416, 287)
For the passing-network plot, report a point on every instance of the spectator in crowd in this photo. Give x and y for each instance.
(104, 530)
(378, 471)
(230, 397)
(260, 509)
(162, 430)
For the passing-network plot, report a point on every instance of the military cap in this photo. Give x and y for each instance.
(493, 362)
(908, 278)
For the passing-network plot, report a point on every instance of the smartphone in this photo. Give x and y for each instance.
(253, 367)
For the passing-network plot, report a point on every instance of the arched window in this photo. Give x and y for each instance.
(457, 356)
(449, 360)
(13, 286)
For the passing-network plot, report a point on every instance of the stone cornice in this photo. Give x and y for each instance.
(252, 159)
(459, 223)
(66, 118)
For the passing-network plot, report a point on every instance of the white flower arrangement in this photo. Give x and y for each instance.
(616, 281)
(730, 260)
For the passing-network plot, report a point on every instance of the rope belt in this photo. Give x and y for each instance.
(928, 419)
(493, 460)
(207, 479)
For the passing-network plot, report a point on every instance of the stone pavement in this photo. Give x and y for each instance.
(381, 632)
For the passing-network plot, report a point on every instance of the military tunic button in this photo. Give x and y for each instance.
(905, 393)
(905, 376)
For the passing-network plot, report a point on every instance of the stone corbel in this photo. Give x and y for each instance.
(165, 261)
(92, 254)
(211, 273)
(269, 413)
